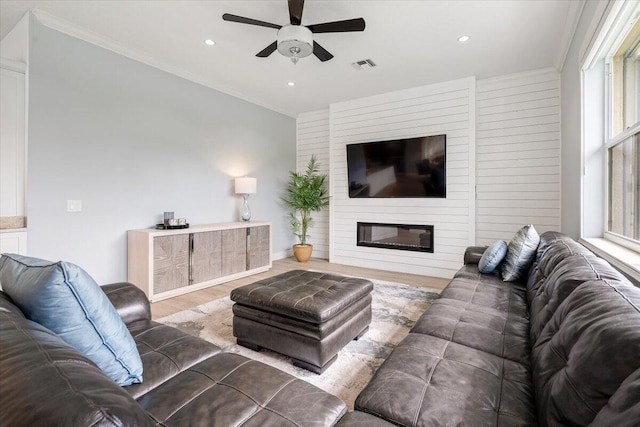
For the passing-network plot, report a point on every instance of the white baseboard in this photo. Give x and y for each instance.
(281, 255)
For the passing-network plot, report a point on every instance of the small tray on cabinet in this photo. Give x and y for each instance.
(171, 227)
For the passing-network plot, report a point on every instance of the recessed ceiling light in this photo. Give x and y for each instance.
(291, 83)
(209, 42)
(464, 38)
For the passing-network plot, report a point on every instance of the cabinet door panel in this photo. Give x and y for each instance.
(170, 262)
(234, 255)
(206, 259)
(258, 247)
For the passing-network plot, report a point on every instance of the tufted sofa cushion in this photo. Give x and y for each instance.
(482, 312)
(548, 259)
(569, 273)
(232, 390)
(429, 381)
(165, 352)
(362, 419)
(585, 352)
(623, 408)
(473, 287)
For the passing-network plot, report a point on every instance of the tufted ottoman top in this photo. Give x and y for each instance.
(305, 295)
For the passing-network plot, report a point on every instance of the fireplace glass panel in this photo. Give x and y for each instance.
(405, 237)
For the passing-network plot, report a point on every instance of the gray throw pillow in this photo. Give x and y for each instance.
(492, 257)
(521, 253)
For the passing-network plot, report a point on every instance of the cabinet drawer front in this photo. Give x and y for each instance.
(170, 262)
(206, 259)
(234, 255)
(258, 247)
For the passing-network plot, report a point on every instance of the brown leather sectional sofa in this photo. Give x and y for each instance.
(561, 349)
(187, 381)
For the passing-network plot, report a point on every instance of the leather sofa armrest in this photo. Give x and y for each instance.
(473, 254)
(130, 301)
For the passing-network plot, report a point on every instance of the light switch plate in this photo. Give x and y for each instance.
(74, 205)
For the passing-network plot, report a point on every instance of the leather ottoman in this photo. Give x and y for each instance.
(309, 316)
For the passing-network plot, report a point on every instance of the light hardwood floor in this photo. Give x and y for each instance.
(173, 305)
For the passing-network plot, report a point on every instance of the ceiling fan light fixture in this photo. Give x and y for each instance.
(295, 42)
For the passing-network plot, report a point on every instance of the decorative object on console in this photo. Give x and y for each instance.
(492, 257)
(245, 186)
(65, 299)
(168, 216)
(305, 193)
(520, 253)
(295, 41)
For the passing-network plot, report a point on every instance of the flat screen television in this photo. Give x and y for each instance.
(410, 167)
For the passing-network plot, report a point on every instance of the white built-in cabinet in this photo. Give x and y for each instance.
(166, 263)
(13, 235)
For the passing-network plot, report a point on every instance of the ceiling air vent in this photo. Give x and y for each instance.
(365, 63)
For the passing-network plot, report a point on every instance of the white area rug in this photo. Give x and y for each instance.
(395, 306)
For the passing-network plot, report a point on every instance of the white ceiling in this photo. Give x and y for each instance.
(414, 43)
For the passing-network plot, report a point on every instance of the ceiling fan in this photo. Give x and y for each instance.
(295, 41)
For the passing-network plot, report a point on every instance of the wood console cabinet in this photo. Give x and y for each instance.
(166, 263)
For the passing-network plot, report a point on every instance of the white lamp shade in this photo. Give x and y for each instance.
(246, 185)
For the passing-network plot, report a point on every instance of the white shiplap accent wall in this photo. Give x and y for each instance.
(313, 139)
(518, 154)
(447, 108)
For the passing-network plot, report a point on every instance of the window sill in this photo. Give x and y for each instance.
(624, 259)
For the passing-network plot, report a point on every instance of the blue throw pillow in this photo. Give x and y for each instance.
(65, 299)
(521, 253)
(492, 257)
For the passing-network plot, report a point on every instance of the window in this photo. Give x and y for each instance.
(623, 215)
(623, 140)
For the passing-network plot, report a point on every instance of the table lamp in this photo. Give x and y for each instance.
(245, 186)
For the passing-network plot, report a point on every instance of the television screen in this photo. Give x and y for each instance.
(411, 167)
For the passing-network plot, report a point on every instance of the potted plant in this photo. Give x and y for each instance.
(305, 193)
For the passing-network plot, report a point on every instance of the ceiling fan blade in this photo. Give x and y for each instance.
(321, 53)
(348, 25)
(295, 11)
(267, 50)
(243, 20)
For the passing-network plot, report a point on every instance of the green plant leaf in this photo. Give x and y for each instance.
(304, 194)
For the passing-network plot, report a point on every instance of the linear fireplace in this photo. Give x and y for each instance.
(404, 237)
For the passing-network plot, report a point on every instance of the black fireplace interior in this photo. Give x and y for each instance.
(405, 237)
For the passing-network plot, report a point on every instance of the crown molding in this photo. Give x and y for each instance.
(519, 75)
(58, 24)
(571, 26)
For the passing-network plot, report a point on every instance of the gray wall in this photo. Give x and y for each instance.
(571, 152)
(131, 142)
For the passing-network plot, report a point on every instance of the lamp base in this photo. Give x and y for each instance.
(245, 211)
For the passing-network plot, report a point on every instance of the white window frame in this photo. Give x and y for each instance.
(609, 141)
